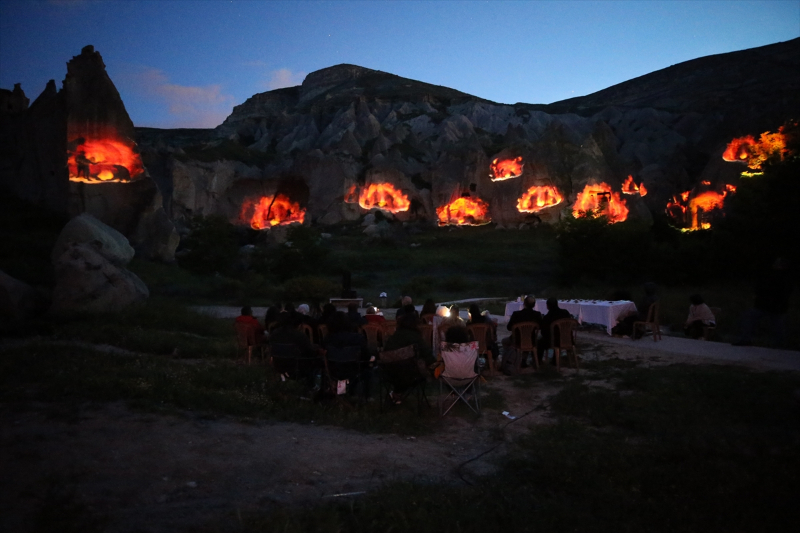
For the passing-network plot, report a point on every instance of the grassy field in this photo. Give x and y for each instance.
(667, 449)
(673, 448)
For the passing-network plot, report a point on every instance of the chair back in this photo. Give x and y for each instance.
(427, 334)
(652, 313)
(400, 354)
(374, 334)
(343, 363)
(525, 336)
(245, 335)
(307, 330)
(459, 360)
(480, 333)
(343, 354)
(562, 333)
(388, 327)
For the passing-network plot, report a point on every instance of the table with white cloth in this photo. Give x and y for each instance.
(513, 306)
(603, 312)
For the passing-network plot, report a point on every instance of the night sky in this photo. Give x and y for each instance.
(187, 63)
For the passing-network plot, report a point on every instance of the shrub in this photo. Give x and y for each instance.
(211, 247)
(308, 288)
(305, 256)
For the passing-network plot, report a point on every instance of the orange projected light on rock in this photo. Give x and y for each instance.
(629, 187)
(539, 197)
(464, 211)
(600, 200)
(755, 152)
(505, 169)
(271, 211)
(103, 160)
(351, 196)
(693, 212)
(384, 196)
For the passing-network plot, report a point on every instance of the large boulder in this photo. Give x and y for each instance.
(87, 282)
(156, 237)
(86, 229)
(18, 300)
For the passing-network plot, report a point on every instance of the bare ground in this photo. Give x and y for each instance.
(146, 472)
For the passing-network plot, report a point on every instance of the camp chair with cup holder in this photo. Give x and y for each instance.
(289, 362)
(459, 379)
(346, 364)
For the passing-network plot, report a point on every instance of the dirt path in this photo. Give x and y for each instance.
(147, 472)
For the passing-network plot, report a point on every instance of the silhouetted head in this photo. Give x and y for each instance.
(339, 322)
(456, 334)
(530, 302)
(407, 321)
(552, 303)
(247, 311)
(474, 312)
(406, 301)
(429, 308)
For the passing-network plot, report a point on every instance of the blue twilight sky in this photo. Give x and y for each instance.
(186, 63)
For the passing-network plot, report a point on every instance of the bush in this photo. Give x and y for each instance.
(305, 256)
(308, 288)
(211, 247)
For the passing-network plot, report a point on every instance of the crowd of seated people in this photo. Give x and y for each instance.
(528, 313)
(335, 330)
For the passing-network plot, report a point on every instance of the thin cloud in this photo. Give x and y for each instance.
(284, 78)
(189, 106)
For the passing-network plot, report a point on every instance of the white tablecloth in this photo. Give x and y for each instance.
(513, 306)
(593, 311)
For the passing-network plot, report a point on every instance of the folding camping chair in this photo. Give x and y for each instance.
(288, 360)
(398, 369)
(463, 383)
(345, 364)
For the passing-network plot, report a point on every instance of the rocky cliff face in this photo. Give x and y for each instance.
(351, 139)
(347, 127)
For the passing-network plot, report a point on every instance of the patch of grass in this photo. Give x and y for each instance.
(158, 327)
(75, 375)
(680, 449)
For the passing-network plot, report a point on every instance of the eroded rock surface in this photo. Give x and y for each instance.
(87, 282)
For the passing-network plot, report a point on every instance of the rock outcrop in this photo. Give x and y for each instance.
(346, 128)
(81, 133)
(18, 300)
(87, 282)
(86, 229)
(346, 125)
